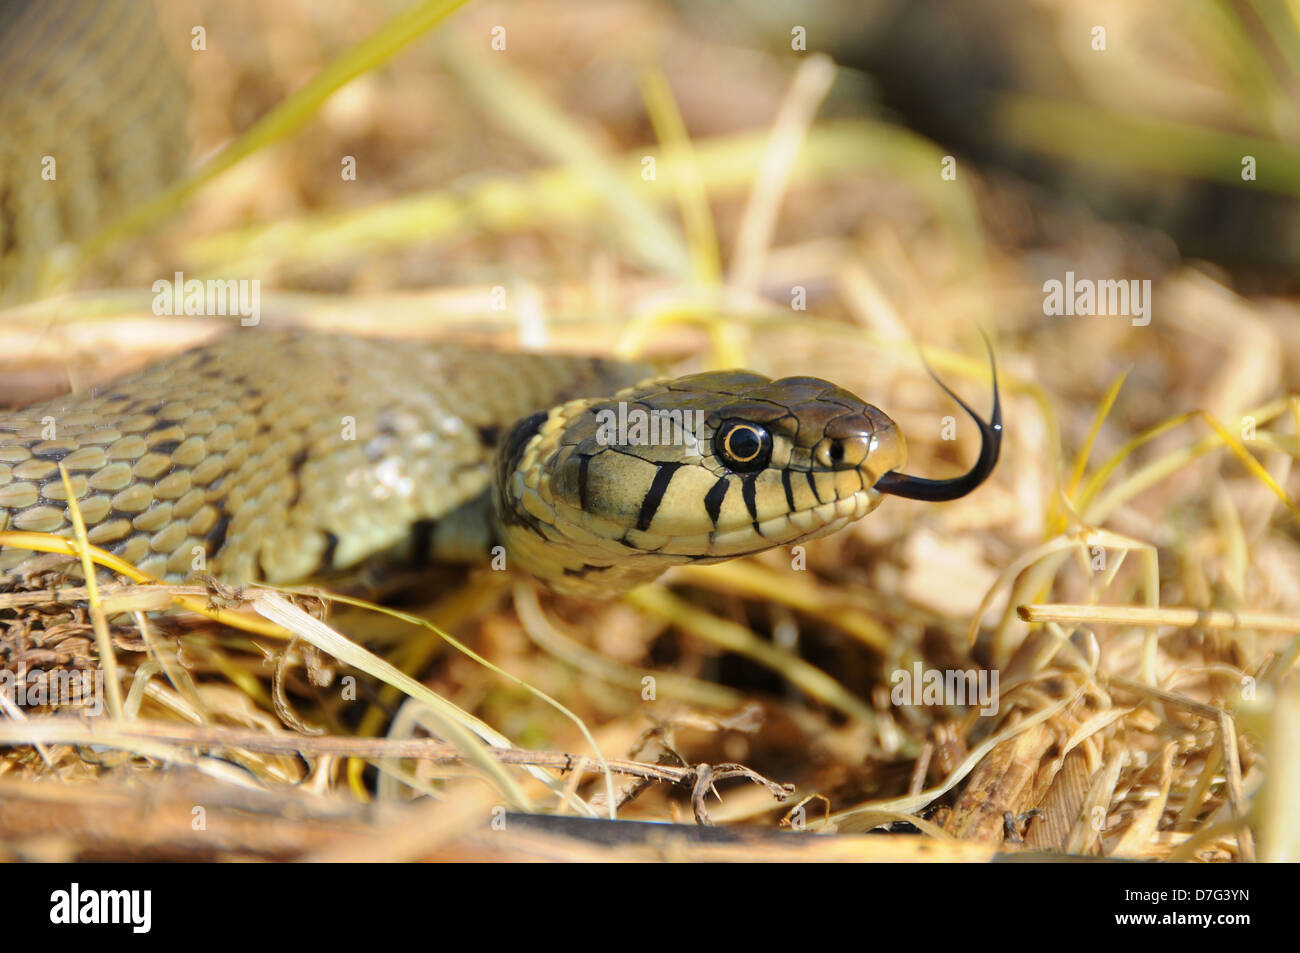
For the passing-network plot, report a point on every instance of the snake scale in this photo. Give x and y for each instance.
(283, 456)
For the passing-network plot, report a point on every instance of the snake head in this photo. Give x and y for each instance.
(599, 495)
(596, 496)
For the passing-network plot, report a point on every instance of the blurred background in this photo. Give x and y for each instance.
(801, 188)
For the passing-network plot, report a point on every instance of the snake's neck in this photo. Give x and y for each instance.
(574, 569)
(524, 525)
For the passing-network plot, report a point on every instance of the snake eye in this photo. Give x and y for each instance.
(742, 446)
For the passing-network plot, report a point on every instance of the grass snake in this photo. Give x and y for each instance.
(280, 456)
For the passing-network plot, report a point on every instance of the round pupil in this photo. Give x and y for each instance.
(744, 444)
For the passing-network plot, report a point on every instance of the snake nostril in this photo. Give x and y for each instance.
(837, 453)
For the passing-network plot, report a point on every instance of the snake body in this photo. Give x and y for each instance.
(283, 456)
(278, 456)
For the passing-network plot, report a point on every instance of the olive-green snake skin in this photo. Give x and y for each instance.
(282, 456)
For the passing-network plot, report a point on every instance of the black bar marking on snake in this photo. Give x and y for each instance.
(508, 457)
(295, 465)
(713, 499)
(655, 495)
(789, 491)
(518, 439)
(586, 569)
(749, 493)
(331, 547)
(813, 483)
(216, 537)
(422, 540)
(584, 461)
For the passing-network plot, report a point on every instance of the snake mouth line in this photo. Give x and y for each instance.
(795, 526)
(785, 529)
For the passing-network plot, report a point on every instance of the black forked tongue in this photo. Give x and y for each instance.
(919, 488)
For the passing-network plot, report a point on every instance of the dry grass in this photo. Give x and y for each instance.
(1131, 572)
